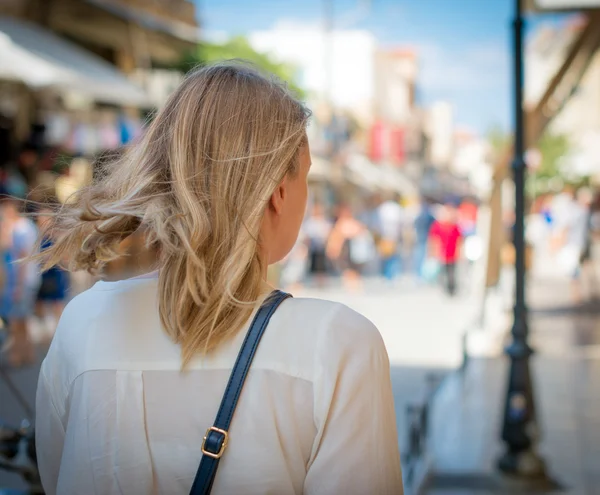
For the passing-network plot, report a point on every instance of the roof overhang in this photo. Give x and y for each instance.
(542, 6)
(176, 29)
(40, 59)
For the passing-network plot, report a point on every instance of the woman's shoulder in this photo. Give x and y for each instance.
(330, 326)
(325, 312)
(99, 320)
(310, 338)
(104, 305)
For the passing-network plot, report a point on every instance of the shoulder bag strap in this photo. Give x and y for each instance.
(217, 436)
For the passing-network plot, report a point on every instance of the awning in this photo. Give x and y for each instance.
(362, 172)
(378, 177)
(39, 59)
(394, 180)
(174, 28)
(17, 64)
(442, 185)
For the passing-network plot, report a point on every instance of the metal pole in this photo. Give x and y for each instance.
(519, 421)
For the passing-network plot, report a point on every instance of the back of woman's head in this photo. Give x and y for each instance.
(198, 184)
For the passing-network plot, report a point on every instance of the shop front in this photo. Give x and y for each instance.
(61, 107)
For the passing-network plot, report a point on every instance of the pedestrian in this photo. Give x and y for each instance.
(137, 368)
(573, 241)
(391, 220)
(18, 236)
(446, 239)
(317, 229)
(422, 226)
(27, 164)
(53, 292)
(467, 217)
(294, 266)
(348, 247)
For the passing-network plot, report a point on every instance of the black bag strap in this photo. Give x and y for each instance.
(217, 436)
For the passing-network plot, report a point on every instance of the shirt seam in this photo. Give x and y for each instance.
(138, 370)
(120, 285)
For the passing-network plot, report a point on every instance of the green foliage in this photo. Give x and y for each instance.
(239, 48)
(550, 176)
(498, 139)
(553, 148)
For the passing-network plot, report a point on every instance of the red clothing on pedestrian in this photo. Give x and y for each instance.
(448, 235)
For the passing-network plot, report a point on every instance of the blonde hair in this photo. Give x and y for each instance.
(198, 184)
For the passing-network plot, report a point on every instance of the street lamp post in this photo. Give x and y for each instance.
(519, 424)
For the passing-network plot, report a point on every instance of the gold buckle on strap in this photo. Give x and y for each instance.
(223, 445)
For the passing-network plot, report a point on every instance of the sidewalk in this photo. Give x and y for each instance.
(467, 416)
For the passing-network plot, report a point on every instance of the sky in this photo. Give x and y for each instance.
(463, 45)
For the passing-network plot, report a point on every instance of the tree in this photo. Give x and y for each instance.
(239, 48)
(553, 149)
(499, 140)
(499, 144)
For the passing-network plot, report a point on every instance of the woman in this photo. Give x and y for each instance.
(137, 368)
(318, 228)
(22, 281)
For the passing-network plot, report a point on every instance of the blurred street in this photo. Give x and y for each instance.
(454, 153)
(421, 325)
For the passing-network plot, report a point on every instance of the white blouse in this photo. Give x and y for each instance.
(116, 416)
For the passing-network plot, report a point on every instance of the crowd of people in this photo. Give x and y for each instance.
(27, 172)
(388, 237)
(26, 292)
(564, 228)
(35, 175)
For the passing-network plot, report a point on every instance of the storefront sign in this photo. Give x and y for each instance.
(387, 143)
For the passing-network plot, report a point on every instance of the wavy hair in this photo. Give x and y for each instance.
(197, 183)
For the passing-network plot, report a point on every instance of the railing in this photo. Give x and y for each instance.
(17, 455)
(416, 461)
(17, 445)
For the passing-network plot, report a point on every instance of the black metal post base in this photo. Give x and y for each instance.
(523, 464)
(519, 427)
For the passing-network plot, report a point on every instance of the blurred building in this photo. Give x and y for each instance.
(395, 120)
(157, 83)
(126, 33)
(578, 114)
(77, 78)
(343, 72)
(439, 129)
(61, 59)
(335, 66)
(396, 72)
(580, 121)
(471, 161)
(545, 52)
